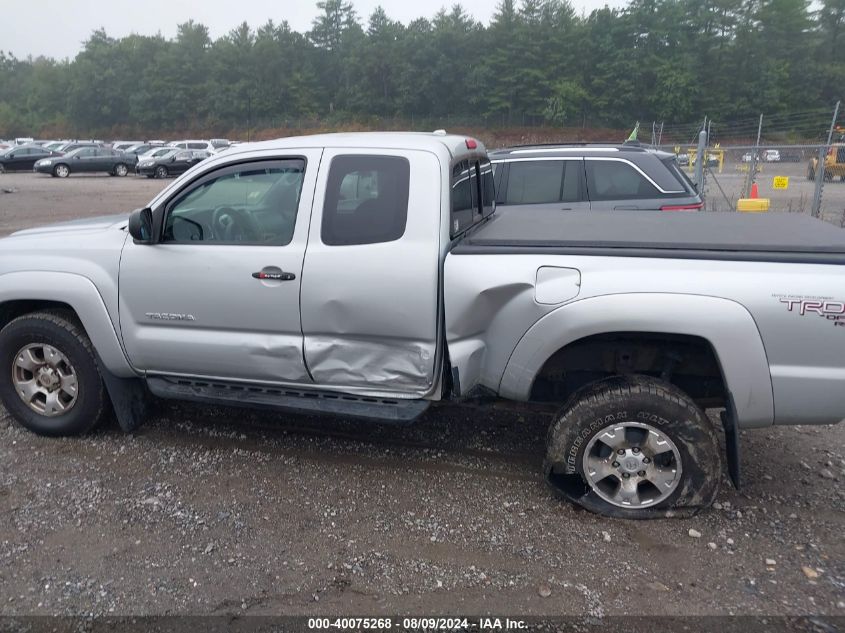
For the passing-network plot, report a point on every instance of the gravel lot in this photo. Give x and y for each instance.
(208, 510)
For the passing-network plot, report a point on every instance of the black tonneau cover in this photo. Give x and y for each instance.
(776, 237)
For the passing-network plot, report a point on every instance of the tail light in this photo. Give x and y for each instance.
(683, 207)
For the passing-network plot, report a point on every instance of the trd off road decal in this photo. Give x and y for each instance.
(825, 307)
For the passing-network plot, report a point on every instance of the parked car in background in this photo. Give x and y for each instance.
(592, 176)
(138, 149)
(22, 157)
(155, 152)
(86, 160)
(171, 163)
(123, 145)
(69, 146)
(208, 146)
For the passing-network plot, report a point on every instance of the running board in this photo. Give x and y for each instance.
(296, 400)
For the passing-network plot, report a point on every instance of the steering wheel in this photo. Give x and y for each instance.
(233, 225)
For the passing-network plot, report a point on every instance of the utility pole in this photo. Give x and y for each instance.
(820, 166)
(699, 161)
(752, 165)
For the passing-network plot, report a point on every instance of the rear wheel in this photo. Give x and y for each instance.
(634, 447)
(62, 171)
(120, 170)
(161, 171)
(49, 381)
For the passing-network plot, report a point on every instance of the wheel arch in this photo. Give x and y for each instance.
(724, 325)
(26, 292)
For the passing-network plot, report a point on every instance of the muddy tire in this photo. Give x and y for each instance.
(49, 380)
(634, 447)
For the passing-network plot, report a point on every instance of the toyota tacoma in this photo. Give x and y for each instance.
(369, 275)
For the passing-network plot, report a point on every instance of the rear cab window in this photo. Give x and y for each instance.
(472, 195)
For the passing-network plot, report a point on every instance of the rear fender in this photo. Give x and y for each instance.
(727, 325)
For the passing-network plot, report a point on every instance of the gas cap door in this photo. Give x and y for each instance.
(556, 285)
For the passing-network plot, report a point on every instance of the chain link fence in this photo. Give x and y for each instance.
(793, 163)
(788, 177)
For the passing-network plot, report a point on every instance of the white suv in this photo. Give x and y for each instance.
(203, 145)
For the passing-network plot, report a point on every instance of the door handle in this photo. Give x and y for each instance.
(274, 275)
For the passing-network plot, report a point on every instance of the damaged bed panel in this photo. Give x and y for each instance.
(370, 291)
(484, 298)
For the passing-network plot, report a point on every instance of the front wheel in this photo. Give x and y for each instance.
(634, 447)
(49, 381)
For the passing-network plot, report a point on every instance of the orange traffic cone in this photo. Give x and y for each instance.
(754, 193)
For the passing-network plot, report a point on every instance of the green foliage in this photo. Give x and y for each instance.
(537, 62)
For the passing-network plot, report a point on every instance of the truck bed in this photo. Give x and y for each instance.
(771, 237)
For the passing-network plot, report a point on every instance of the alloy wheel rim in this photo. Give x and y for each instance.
(44, 379)
(632, 465)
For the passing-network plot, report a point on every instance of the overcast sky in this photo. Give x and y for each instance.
(59, 27)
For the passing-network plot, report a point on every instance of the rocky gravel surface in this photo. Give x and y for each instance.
(217, 511)
(214, 511)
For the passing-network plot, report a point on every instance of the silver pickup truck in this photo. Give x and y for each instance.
(368, 275)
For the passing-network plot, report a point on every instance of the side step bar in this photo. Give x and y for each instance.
(296, 400)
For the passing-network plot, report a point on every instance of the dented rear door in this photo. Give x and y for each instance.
(370, 278)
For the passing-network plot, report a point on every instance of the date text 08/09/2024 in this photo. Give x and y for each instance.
(418, 623)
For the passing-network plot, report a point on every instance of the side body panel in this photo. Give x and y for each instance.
(370, 311)
(798, 355)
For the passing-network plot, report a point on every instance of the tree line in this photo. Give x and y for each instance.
(536, 62)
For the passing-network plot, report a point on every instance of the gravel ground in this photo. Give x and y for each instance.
(208, 510)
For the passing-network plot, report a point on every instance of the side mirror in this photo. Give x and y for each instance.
(141, 226)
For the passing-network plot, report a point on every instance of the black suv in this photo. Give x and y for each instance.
(592, 176)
